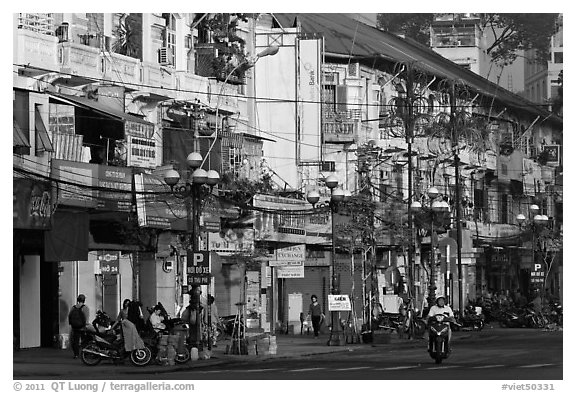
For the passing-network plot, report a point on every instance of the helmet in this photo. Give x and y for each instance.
(440, 297)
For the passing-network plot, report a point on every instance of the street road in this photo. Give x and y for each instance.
(508, 354)
(492, 354)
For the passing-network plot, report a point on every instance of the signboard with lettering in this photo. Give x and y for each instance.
(198, 267)
(537, 274)
(115, 178)
(141, 144)
(289, 228)
(293, 271)
(155, 206)
(109, 262)
(77, 182)
(339, 303)
(32, 204)
(232, 241)
(339, 131)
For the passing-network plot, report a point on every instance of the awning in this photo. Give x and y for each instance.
(21, 145)
(89, 104)
(43, 142)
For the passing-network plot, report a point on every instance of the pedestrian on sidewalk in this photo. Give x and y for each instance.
(315, 312)
(78, 318)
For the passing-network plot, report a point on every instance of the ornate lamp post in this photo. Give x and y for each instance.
(191, 192)
(435, 207)
(337, 195)
(538, 221)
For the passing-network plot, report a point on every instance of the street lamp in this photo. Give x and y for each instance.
(191, 192)
(337, 195)
(435, 207)
(538, 221)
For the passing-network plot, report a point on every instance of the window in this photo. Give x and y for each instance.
(504, 208)
(558, 57)
(170, 39)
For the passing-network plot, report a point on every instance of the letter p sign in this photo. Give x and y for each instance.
(198, 259)
(537, 266)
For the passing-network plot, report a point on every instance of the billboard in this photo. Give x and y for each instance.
(115, 178)
(76, 183)
(309, 97)
(302, 227)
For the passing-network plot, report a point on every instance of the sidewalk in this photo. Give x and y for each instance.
(46, 363)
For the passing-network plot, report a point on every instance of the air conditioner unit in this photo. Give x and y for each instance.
(165, 56)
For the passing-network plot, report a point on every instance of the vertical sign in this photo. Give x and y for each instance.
(309, 97)
(537, 274)
(198, 268)
(141, 144)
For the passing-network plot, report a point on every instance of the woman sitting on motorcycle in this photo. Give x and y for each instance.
(442, 308)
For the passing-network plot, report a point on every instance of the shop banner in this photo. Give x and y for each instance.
(76, 183)
(32, 204)
(155, 206)
(115, 178)
(232, 241)
(300, 227)
(339, 303)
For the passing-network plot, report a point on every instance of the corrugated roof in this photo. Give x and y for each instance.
(346, 37)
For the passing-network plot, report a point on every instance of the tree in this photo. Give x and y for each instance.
(510, 32)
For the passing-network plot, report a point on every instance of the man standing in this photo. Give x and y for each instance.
(78, 318)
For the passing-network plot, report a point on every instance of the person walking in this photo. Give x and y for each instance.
(78, 318)
(315, 312)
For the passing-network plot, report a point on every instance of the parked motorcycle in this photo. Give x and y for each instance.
(470, 320)
(438, 345)
(109, 344)
(555, 315)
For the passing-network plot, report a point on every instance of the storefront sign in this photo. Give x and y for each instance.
(141, 152)
(155, 206)
(292, 253)
(115, 178)
(232, 241)
(339, 303)
(109, 262)
(290, 228)
(198, 268)
(32, 204)
(293, 271)
(77, 182)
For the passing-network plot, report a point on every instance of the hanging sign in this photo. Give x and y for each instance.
(339, 303)
(109, 262)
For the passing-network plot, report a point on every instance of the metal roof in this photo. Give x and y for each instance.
(347, 38)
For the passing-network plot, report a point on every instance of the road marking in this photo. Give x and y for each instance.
(213, 371)
(536, 365)
(307, 369)
(394, 368)
(261, 369)
(351, 368)
(489, 366)
(441, 367)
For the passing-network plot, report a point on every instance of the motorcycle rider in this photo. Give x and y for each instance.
(442, 308)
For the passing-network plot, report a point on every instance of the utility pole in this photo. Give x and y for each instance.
(409, 134)
(458, 197)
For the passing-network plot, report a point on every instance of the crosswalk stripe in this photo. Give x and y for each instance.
(351, 368)
(394, 368)
(536, 365)
(307, 369)
(489, 366)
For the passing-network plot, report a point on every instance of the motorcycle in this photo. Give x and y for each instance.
(103, 342)
(152, 338)
(555, 315)
(470, 320)
(438, 345)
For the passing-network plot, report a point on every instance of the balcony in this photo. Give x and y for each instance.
(339, 131)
